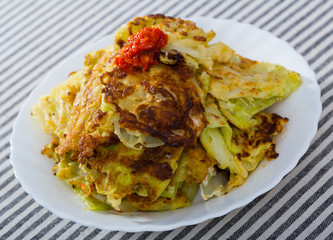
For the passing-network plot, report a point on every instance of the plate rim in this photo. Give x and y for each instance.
(173, 225)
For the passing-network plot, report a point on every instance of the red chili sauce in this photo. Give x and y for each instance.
(142, 49)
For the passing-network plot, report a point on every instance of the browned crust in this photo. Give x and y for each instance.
(271, 123)
(152, 161)
(89, 143)
(169, 118)
(161, 171)
(200, 38)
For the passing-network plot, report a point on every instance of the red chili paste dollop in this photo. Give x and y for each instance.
(142, 49)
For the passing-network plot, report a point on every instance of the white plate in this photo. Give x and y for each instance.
(303, 108)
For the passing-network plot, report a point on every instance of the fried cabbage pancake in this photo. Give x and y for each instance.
(244, 87)
(242, 77)
(146, 140)
(165, 101)
(240, 153)
(118, 171)
(53, 110)
(175, 26)
(192, 169)
(88, 125)
(254, 144)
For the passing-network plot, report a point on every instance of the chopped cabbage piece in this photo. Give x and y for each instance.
(240, 111)
(214, 144)
(214, 184)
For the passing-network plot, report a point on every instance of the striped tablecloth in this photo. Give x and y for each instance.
(36, 35)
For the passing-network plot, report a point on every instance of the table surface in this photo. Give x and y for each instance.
(37, 35)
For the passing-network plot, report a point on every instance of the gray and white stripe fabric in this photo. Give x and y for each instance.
(37, 35)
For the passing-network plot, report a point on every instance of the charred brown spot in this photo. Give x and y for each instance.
(272, 123)
(97, 118)
(245, 154)
(259, 137)
(245, 63)
(185, 73)
(116, 73)
(130, 30)
(173, 55)
(120, 43)
(161, 171)
(183, 33)
(112, 139)
(115, 90)
(89, 143)
(200, 38)
(256, 143)
(158, 15)
(271, 153)
(138, 20)
(99, 114)
(72, 73)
